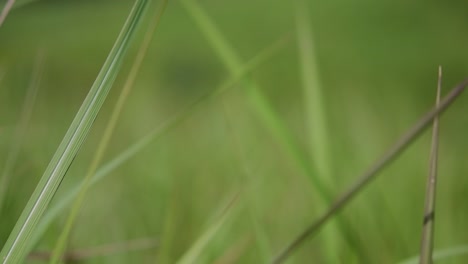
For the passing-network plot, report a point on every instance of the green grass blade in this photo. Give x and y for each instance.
(427, 239)
(154, 135)
(258, 101)
(22, 127)
(317, 129)
(21, 3)
(314, 102)
(6, 10)
(14, 249)
(405, 141)
(441, 254)
(192, 255)
(314, 99)
(109, 130)
(259, 232)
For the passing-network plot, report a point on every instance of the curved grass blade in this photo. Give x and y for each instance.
(6, 10)
(401, 145)
(109, 130)
(260, 104)
(154, 135)
(441, 254)
(316, 124)
(28, 107)
(14, 249)
(195, 251)
(427, 240)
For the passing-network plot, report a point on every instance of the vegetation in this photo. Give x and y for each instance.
(231, 132)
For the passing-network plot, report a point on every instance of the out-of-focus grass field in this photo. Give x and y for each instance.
(377, 62)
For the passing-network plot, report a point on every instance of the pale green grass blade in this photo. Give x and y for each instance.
(442, 254)
(314, 98)
(316, 120)
(260, 234)
(6, 10)
(192, 255)
(154, 135)
(427, 238)
(317, 129)
(21, 3)
(401, 145)
(258, 101)
(109, 130)
(14, 249)
(22, 127)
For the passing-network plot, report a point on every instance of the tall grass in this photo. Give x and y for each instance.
(361, 182)
(192, 255)
(262, 108)
(159, 131)
(109, 130)
(14, 249)
(313, 160)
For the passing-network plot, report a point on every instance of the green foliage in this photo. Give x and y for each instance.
(288, 132)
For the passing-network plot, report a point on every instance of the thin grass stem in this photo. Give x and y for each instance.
(427, 239)
(441, 254)
(192, 255)
(402, 144)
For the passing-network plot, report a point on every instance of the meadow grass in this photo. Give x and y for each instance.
(14, 248)
(110, 127)
(270, 201)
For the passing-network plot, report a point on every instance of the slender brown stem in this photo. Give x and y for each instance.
(404, 142)
(427, 239)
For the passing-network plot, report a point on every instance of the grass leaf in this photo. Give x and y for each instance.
(195, 251)
(258, 101)
(14, 249)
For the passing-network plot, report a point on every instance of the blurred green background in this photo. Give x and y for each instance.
(377, 62)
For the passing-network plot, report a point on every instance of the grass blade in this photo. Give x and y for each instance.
(316, 124)
(401, 145)
(314, 99)
(109, 130)
(195, 251)
(22, 127)
(427, 240)
(154, 135)
(258, 101)
(14, 249)
(6, 10)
